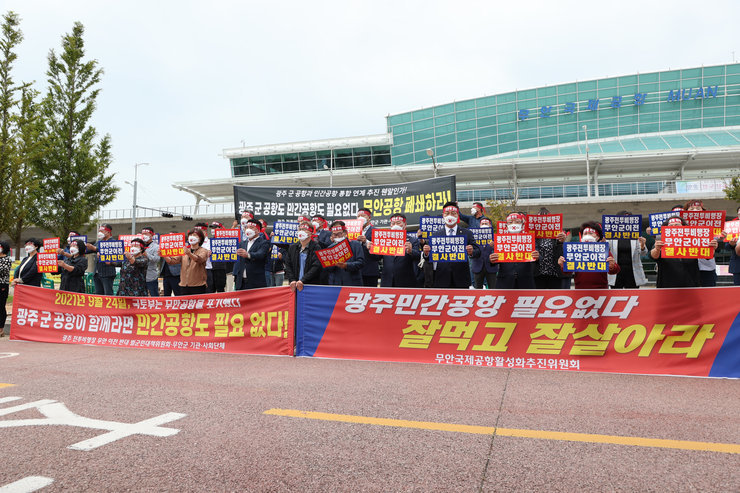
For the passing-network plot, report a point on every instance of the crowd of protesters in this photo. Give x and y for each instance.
(261, 264)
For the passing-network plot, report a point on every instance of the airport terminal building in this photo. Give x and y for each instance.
(642, 142)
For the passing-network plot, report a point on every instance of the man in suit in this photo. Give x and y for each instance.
(454, 275)
(302, 266)
(398, 272)
(249, 270)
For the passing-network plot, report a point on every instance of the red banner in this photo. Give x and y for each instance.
(653, 331)
(224, 233)
(258, 321)
(51, 245)
(47, 263)
(713, 219)
(172, 245)
(545, 226)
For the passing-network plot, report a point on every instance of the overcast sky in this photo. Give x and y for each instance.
(185, 79)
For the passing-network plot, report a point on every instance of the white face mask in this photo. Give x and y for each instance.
(302, 235)
(396, 227)
(193, 240)
(146, 238)
(473, 211)
(315, 224)
(588, 239)
(363, 219)
(450, 220)
(514, 228)
(74, 250)
(337, 239)
(30, 248)
(134, 250)
(485, 225)
(250, 233)
(244, 223)
(101, 235)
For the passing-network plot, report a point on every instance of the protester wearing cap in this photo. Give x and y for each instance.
(515, 275)
(591, 232)
(371, 269)
(454, 275)
(547, 272)
(302, 266)
(73, 268)
(483, 270)
(249, 269)
(193, 264)
(477, 213)
(398, 271)
(27, 272)
(105, 272)
(321, 228)
(629, 258)
(347, 273)
(675, 272)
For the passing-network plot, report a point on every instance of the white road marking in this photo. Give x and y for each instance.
(57, 414)
(8, 355)
(27, 485)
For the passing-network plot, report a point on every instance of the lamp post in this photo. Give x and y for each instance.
(331, 169)
(136, 182)
(588, 167)
(430, 153)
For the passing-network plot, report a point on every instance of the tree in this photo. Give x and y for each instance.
(732, 191)
(24, 182)
(10, 38)
(73, 166)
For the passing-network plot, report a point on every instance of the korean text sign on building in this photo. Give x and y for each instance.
(415, 199)
(586, 256)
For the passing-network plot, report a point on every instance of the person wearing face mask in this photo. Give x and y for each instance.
(707, 266)
(209, 265)
(27, 272)
(192, 264)
(398, 271)
(5, 264)
(219, 269)
(477, 214)
(64, 253)
(105, 272)
(676, 272)
(151, 250)
(302, 266)
(515, 275)
(133, 270)
(371, 269)
(321, 228)
(242, 222)
(483, 270)
(347, 273)
(73, 268)
(591, 232)
(455, 275)
(249, 269)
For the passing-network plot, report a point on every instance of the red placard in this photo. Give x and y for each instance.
(226, 233)
(255, 321)
(354, 228)
(341, 252)
(172, 245)
(514, 247)
(651, 331)
(127, 241)
(732, 228)
(51, 245)
(714, 219)
(47, 263)
(388, 242)
(545, 226)
(686, 242)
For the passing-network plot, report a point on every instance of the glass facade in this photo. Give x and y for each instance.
(357, 157)
(548, 117)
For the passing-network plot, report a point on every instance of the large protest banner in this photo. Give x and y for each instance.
(256, 321)
(663, 331)
(414, 199)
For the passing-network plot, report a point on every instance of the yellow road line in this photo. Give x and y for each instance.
(3, 385)
(728, 448)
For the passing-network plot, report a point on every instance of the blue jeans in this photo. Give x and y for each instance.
(153, 287)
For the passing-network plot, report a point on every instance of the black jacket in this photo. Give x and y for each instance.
(312, 269)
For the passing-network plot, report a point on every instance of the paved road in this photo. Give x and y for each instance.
(249, 425)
